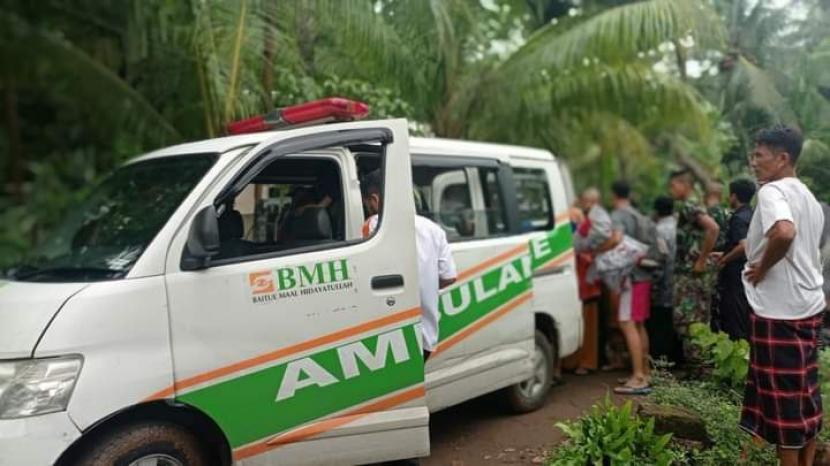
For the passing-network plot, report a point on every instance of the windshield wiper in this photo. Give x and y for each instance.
(52, 273)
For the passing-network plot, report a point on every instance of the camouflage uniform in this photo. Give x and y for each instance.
(720, 215)
(692, 291)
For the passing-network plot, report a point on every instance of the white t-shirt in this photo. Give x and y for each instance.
(791, 289)
(435, 262)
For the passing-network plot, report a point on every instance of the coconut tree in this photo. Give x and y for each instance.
(586, 86)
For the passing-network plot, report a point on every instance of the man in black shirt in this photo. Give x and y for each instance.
(733, 307)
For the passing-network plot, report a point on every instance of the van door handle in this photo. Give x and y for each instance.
(558, 270)
(387, 281)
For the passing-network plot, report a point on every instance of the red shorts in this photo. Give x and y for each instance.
(635, 302)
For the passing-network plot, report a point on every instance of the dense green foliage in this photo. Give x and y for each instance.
(716, 398)
(720, 409)
(617, 88)
(729, 359)
(609, 434)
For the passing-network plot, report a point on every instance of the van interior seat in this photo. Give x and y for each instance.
(310, 227)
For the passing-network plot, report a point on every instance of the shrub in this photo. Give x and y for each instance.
(720, 408)
(611, 435)
(729, 358)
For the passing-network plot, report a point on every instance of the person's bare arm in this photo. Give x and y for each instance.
(611, 242)
(710, 235)
(737, 253)
(779, 239)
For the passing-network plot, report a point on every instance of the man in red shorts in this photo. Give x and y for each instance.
(783, 284)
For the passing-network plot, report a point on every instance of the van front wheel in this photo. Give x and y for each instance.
(530, 394)
(146, 444)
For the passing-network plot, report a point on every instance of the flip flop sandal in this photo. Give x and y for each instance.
(582, 371)
(623, 380)
(626, 390)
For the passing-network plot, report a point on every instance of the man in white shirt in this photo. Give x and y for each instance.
(783, 284)
(436, 268)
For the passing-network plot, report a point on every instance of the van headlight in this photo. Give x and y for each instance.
(29, 387)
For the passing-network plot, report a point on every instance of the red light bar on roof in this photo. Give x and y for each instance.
(310, 113)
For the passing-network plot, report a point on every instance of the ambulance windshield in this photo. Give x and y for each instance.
(103, 237)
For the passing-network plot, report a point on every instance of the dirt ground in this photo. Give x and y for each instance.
(481, 432)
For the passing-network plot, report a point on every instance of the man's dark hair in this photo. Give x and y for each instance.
(679, 172)
(743, 189)
(621, 189)
(783, 138)
(664, 206)
(370, 183)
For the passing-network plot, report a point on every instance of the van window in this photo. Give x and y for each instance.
(294, 202)
(533, 199)
(466, 201)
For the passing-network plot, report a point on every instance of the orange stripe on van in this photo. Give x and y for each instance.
(562, 217)
(284, 352)
(509, 254)
(559, 260)
(481, 323)
(329, 424)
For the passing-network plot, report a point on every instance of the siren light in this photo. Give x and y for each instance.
(326, 110)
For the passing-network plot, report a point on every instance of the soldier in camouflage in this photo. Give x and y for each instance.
(716, 210)
(697, 232)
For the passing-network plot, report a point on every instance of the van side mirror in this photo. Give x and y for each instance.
(202, 240)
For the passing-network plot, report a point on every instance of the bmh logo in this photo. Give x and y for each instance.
(261, 282)
(301, 280)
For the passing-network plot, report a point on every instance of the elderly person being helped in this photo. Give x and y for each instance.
(615, 257)
(783, 282)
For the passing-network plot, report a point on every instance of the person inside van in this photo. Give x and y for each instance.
(301, 198)
(436, 267)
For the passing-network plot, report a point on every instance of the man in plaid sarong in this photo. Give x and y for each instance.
(783, 284)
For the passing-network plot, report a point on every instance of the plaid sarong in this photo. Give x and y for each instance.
(782, 403)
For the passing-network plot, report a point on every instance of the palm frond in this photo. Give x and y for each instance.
(633, 91)
(754, 85)
(615, 35)
(92, 82)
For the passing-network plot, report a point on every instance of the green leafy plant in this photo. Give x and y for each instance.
(609, 434)
(729, 358)
(720, 411)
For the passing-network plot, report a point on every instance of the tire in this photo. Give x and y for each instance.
(531, 394)
(167, 444)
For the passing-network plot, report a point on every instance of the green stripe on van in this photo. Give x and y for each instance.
(278, 398)
(470, 301)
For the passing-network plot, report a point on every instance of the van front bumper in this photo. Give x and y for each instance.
(37, 440)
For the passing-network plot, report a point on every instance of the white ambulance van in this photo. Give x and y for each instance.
(216, 302)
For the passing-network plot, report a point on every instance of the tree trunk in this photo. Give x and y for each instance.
(687, 160)
(16, 162)
(700, 172)
(268, 53)
(680, 55)
(306, 37)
